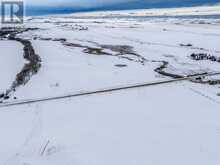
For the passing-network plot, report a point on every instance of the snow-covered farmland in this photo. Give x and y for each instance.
(11, 62)
(173, 123)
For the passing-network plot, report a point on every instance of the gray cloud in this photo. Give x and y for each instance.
(100, 3)
(77, 3)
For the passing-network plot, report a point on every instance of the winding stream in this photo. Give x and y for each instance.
(30, 68)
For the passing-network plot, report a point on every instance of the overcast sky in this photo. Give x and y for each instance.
(96, 3)
(86, 3)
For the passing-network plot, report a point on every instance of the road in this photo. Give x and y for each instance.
(105, 90)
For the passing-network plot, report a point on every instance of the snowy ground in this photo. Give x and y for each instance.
(176, 123)
(10, 63)
(183, 11)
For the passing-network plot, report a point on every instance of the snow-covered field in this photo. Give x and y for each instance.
(10, 63)
(166, 124)
(183, 11)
